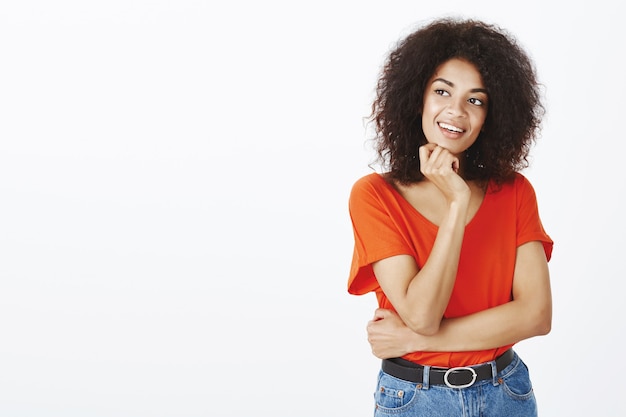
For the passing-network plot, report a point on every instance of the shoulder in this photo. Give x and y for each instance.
(370, 191)
(521, 180)
(523, 186)
(369, 180)
(520, 190)
(368, 184)
(517, 184)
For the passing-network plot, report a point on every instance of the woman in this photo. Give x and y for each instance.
(449, 237)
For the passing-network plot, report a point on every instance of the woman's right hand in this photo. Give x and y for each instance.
(388, 336)
(441, 168)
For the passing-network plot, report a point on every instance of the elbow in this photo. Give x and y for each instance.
(544, 326)
(543, 322)
(425, 326)
(425, 330)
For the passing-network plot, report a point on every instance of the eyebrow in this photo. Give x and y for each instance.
(451, 84)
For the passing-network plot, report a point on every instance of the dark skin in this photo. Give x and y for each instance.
(454, 112)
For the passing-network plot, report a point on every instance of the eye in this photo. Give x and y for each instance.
(441, 92)
(476, 101)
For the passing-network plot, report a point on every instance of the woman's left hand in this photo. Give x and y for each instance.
(388, 336)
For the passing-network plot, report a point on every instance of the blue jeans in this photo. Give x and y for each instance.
(508, 394)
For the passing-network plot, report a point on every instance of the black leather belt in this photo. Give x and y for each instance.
(460, 377)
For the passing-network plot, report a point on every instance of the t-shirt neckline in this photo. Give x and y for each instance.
(424, 218)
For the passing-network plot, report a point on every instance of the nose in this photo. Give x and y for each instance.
(456, 107)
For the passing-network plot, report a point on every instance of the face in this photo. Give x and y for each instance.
(455, 106)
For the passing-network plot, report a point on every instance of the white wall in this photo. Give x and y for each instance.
(174, 235)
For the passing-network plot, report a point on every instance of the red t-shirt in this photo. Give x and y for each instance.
(385, 225)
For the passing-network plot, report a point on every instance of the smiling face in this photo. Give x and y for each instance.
(455, 106)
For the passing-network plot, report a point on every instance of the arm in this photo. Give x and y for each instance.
(528, 314)
(420, 296)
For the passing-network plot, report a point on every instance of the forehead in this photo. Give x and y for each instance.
(459, 72)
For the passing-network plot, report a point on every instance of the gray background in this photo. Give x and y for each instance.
(174, 175)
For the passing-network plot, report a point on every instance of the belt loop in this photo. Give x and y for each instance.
(494, 373)
(426, 377)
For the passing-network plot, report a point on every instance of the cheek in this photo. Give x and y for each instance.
(478, 120)
(430, 105)
(429, 112)
(427, 119)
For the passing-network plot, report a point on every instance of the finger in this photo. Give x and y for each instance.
(424, 153)
(429, 146)
(442, 160)
(455, 164)
(434, 161)
(428, 155)
(427, 149)
(382, 313)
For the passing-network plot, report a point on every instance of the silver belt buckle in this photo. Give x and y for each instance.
(460, 368)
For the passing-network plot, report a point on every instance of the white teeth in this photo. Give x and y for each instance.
(451, 128)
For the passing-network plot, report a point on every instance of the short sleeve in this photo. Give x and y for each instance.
(529, 226)
(376, 235)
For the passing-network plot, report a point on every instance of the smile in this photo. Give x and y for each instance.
(450, 128)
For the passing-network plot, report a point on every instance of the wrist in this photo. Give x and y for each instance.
(457, 213)
(415, 342)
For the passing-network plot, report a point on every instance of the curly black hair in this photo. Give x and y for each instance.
(514, 113)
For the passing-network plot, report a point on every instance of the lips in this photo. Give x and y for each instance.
(450, 128)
